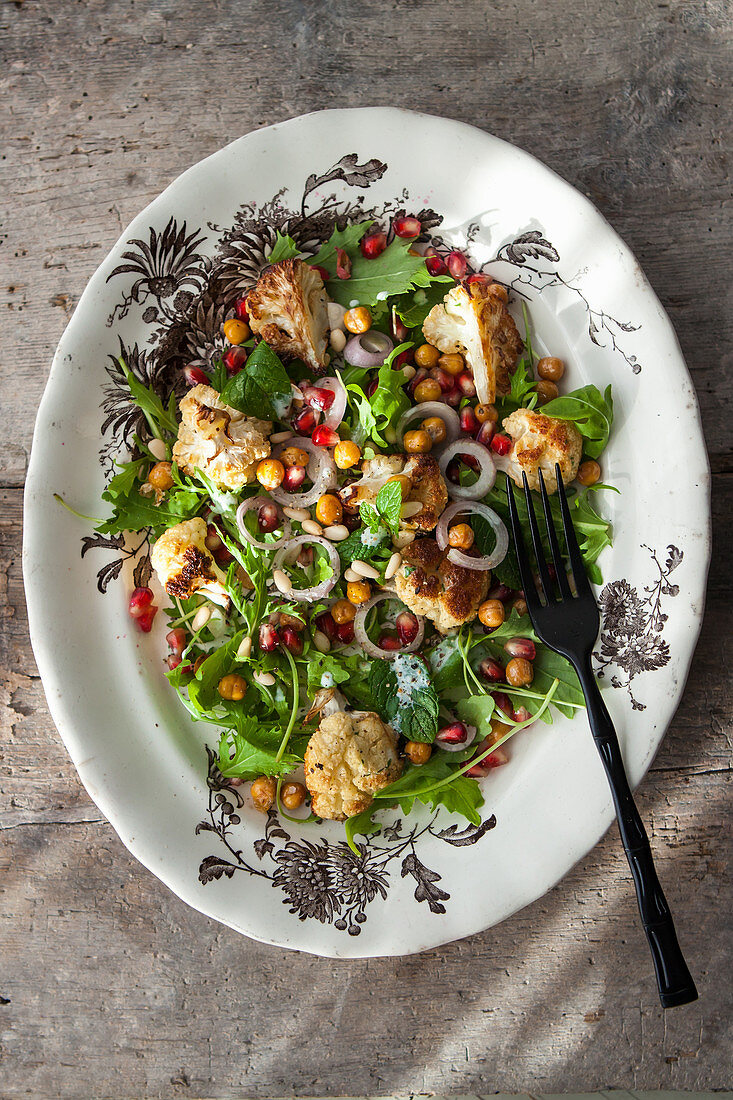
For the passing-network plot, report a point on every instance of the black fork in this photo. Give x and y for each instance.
(569, 624)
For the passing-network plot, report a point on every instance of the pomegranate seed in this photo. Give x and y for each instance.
(234, 359)
(444, 380)
(176, 639)
(145, 620)
(292, 640)
(324, 436)
(521, 647)
(407, 226)
(389, 642)
(479, 277)
(453, 471)
(457, 264)
(222, 556)
(305, 557)
(436, 265)
(212, 541)
(500, 592)
(455, 734)
(194, 376)
(398, 328)
(345, 632)
(318, 398)
(470, 461)
(327, 624)
(351, 520)
(486, 433)
(343, 264)
(140, 601)
(453, 398)
(268, 638)
(493, 760)
(173, 660)
(402, 359)
(240, 308)
(294, 477)
(325, 275)
(372, 388)
(503, 703)
(373, 244)
(407, 627)
(502, 444)
(268, 519)
(491, 670)
(465, 384)
(469, 423)
(304, 421)
(417, 377)
(521, 714)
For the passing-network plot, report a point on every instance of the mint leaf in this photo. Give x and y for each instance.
(394, 271)
(413, 714)
(353, 547)
(284, 248)
(347, 239)
(591, 412)
(262, 388)
(389, 505)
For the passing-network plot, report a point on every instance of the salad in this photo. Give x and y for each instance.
(328, 519)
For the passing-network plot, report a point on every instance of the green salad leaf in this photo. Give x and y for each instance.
(262, 388)
(412, 308)
(385, 511)
(592, 413)
(132, 511)
(353, 547)
(346, 239)
(161, 418)
(284, 248)
(394, 271)
(462, 795)
(251, 750)
(389, 401)
(414, 715)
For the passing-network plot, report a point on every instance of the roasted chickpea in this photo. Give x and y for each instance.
(547, 391)
(550, 368)
(404, 482)
(232, 686)
(292, 795)
(485, 414)
(520, 606)
(329, 510)
(418, 752)
(589, 472)
(236, 331)
(435, 427)
(427, 356)
(498, 730)
(358, 592)
(519, 672)
(263, 791)
(161, 477)
(346, 454)
(270, 473)
(417, 442)
(357, 320)
(292, 621)
(427, 390)
(460, 536)
(452, 363)
(343, 612)
(491, 613)
(294, 456)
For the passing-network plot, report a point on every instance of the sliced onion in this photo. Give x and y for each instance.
(470, 730)
(449, 416)
(335, 414)
(318, 591)
(257, 502)
(321, 470)
(368, 645)
(456, 556)
(487, 473)
(368, 349)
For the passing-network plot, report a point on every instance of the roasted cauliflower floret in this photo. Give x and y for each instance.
(287, 308)
(430, 585)
(184, 564)
(475, 321)
(349, 757)
(427, 487)
(220, 440)
(538, 443)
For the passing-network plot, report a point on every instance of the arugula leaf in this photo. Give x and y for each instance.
(366, 422)
(362, 824)
(347, 239)
(463, 795)
(284, 248)
(218, 375)
(389, 400)
(413, 308)
(320, 665)
(414, 715)
(132, 511)
(590, 410)
(394, 271)
(262, 388)
(161, 420)
(242, 757)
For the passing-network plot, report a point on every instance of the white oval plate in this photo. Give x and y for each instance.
(426, 880)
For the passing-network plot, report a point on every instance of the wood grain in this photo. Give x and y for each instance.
(108, 984)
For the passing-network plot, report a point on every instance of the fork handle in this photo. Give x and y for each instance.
(674, 980)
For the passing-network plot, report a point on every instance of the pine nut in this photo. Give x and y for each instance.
(281, 437)
(337, 532)
(321, 642)
(392, 566)
(350, 575)
(282, 580)
(244, 650)
(158, 449)
(298, 514)
(410, 508)
(264, 678)
(201, 617)
(364, 569)
(403, 539)
(311, 527)
(338, 340)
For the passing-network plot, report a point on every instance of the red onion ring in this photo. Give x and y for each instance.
(257, 502)
(368, 645)
(335, 414)
(368, 349)
(487, 474)
(446, 747)
(488, 561)
(321, 470)
(449, 416)
(318, 591)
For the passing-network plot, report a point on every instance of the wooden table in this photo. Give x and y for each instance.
(108, 984)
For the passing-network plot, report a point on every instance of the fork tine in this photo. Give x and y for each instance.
(525, 571)
(580, 576)
(545, 581)
(562, 579)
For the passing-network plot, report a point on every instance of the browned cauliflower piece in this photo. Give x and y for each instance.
(348, 759)
(288, 309)
(430, 585)
(538, 443)
(427, 487)
(185, 565)
(220, 440)
(475, 321)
